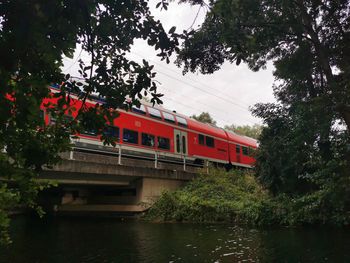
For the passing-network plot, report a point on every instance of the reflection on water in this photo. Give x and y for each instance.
(111, 240)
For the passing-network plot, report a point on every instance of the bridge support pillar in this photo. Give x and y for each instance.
(74, 196)
(149, 189)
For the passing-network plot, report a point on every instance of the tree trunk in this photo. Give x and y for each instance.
(323, 58)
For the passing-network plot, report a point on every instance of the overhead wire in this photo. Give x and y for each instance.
(76, 60)
(218, 110)
(197, 101)
(188, 84)
(182, 81)
(203, 90)
(202, 84)
(196, 109)
(195, 19)
(216, 116)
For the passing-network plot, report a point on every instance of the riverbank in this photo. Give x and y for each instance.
(237, 197)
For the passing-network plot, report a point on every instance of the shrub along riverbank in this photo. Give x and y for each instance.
(237, 197)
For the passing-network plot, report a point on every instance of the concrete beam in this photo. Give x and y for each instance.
(84, 182)
(101, 208)
(98, 169)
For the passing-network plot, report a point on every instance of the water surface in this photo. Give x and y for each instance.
(112, 240)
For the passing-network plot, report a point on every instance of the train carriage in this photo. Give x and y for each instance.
(156, 133)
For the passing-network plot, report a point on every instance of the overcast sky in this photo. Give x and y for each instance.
(226, 94)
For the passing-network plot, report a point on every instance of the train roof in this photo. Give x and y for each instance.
(206, 128)
(213, 130)
(242, 139)
(197, 125)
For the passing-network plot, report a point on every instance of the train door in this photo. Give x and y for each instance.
(238, 153)
(180, 141)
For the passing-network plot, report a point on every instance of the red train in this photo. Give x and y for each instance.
(154, 131)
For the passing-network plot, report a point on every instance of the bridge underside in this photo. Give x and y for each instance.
(90, 183)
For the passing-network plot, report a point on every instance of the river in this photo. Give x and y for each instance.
(57, 239)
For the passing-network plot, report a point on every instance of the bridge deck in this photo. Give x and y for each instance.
(88, 168)
(92, 183)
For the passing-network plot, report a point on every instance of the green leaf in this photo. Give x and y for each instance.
(172, 30)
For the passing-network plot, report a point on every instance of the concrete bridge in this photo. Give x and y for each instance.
(96, 181)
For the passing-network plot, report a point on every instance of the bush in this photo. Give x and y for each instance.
(237, 197)
(217, 196)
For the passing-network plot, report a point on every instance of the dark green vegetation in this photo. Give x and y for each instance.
(237, 197)
(304, 151)
(34, 37)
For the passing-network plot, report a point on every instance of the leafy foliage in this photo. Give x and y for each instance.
(8, 198)
(238, 197)
(34, 37)
(311, 37)
(304, 149)
(299, 152)
(217, 196)
(205, 118)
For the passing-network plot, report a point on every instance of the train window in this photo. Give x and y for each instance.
(181, 121)
(238, 149)
(154, 113)
(130, 136)
(209, 141)
(112, 131)
(147, 139)
(178, 143)
(183, 144)
(169, 117)
(251, 151)
(141, 110)
(65, 119)
(163, 143)
(90, 132)
(89, 129)
(245, 150)
(201, 139)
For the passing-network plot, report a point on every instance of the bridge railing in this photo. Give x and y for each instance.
(122, 155)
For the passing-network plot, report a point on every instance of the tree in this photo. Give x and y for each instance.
(256, 31)
(253, 131)
(306, 139)
(35, 35)
(205, 118)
